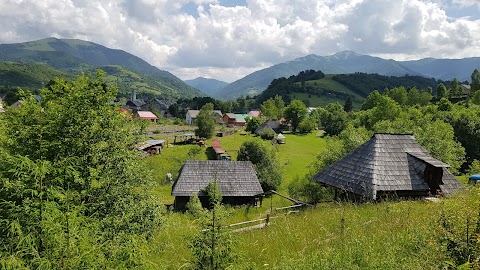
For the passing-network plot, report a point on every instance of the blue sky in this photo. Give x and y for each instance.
(227, 40)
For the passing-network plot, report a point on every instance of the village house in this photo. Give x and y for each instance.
(160, 106)
(147, 115)
(192, 115)
(270, 126)
(233, 119)
(237, 181)
(388, 165)
(252, 114)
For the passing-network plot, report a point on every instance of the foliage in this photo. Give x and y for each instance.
(475, 84)
(213, 246)
(466, 125)
(399, 94)
(380, 108)
(267, 134)
(348, 106)
(252, 124)
(194, 206)
(441, 91)
(273, 108)
(264, 159)
(214, 194)
(474, 167)
(306, 126)
(444, 104)
(72, 193)
(206, 122)
(459, 233)
(295, 113)
(455, 88)
(333, 119)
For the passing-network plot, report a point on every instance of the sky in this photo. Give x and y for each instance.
(228, 39)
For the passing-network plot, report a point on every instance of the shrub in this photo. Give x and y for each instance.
(267, 134)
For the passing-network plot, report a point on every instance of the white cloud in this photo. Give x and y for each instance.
(229, 42)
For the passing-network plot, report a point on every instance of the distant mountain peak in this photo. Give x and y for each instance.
(345, 54)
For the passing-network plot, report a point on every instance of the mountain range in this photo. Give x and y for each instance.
(351, 62)
(52, 57)
(208, 86)
(73, 56)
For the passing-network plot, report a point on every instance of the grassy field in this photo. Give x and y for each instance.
(326, 83)
(386, 235)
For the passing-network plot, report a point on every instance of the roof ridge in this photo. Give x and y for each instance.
(375, 171)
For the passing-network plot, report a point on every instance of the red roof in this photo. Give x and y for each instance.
(146, 115)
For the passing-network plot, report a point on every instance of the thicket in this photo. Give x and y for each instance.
(72, 194)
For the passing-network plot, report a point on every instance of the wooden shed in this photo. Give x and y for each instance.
(389, 165)
(237, 181)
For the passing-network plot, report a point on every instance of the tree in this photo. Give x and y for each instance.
(333, 119)
(212, 247)
(69, 184)
(252, 124)
(441, 91)
(455, 88)
(295, 113)
(264, 159)
(206, 122)
(475, 80)
(444, 104)
(273, 108)
(306, 126)
(372, 100)
(399, 94)
(348, 106)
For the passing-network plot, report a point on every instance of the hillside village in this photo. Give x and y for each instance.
(284, 161)
(128, 167)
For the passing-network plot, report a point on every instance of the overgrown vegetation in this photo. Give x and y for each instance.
(72, 194)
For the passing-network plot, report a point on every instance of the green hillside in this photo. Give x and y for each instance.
(144, 85)
(337, 87)
(74, 56)
(31, 76)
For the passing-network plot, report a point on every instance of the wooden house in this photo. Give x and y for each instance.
(229, 118)
(237, 181)
(388, 165)
(273, 125)
(160, 106)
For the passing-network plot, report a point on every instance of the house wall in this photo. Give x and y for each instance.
(189, 119)
(181, 201)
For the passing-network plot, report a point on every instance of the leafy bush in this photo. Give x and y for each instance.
(265, 161)
(306, 126)
(267, 134)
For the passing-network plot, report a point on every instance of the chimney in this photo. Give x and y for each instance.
(134, 95)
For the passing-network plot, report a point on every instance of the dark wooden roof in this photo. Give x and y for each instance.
(234, 178)
(387, 162)
(270, 125)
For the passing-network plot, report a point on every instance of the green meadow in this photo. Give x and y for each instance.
(384, 235)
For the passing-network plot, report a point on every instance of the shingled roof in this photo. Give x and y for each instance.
(234, 178)
(387, 162)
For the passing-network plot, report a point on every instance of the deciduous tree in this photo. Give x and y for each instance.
(265, 161)
(206, 121)
(295, 113)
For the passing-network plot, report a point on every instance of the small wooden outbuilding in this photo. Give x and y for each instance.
(389, 165)
(237, 181)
